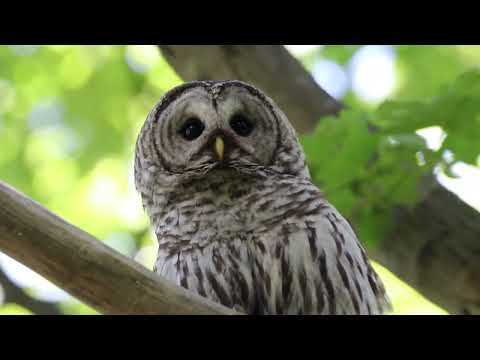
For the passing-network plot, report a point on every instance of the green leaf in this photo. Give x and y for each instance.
(422, 70)
(411, 141)
(395, 117)
(344, 200)
(373, 226)
(338, 144)
(464, 149)
(394, 176)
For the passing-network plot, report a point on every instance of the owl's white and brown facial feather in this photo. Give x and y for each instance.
(238, 220)
(178, 137)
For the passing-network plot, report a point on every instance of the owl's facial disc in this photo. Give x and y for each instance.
(201, 131)
(203, 126)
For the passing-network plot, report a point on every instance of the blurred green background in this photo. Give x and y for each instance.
(69, 117)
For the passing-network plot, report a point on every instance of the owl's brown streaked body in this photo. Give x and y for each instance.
(238, 220)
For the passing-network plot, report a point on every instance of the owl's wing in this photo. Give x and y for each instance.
(317, 265)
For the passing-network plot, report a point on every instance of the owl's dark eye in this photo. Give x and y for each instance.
(192, 129)
(241, 125)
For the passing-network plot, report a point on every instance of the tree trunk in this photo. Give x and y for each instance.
(435, 248)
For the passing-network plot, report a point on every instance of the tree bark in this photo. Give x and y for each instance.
(85, 267)
(435, 248)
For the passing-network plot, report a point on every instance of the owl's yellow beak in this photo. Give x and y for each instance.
(219, 147)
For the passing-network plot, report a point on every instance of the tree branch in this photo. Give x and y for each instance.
(435, 248)
(85, 267)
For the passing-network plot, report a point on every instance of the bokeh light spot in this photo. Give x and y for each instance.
(372, 72)
(331, 77)
(24, 50)
(141, 58)
(123, 242)
(46, 113)
(300, 50)
(433, 135)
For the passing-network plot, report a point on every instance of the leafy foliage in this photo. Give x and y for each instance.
(69, 117)
(369, 162)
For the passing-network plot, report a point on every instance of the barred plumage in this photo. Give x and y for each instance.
(246, 228)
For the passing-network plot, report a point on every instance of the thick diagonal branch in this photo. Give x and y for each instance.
(85, 267)
(435, 247)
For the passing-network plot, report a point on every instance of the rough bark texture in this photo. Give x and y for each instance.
(85, 267)
(435, 247)
(268, 67)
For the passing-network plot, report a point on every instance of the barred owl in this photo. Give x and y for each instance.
(238, 220)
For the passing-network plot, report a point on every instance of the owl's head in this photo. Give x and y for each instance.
(202, 126)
